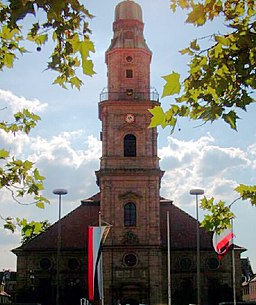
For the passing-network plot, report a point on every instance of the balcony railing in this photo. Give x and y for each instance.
(129, 94)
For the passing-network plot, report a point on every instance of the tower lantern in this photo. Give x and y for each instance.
(128, 57)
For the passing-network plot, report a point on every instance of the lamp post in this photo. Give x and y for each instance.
(233, 255)
(197, 192)
(58, 192)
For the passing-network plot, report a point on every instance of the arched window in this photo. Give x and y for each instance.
(130, 145)
(130, 214)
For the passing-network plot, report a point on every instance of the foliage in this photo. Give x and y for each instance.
(31, 229)
(247, 192)
(220, 83)
(64, 26)
(220, 215)
(17, 176)
(63, 23)
(221, 78)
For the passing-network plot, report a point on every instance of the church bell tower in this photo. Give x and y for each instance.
(129, 177)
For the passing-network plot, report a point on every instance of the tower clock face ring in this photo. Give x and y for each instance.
(129, 118)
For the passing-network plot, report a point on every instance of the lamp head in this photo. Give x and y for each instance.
(196, 192)
(60, 192)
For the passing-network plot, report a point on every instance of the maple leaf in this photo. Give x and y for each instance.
(197, 16)
(172, 85)
(158, 117)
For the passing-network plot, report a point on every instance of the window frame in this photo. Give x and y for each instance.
(130, 214)
(129, 73)
(130, 145)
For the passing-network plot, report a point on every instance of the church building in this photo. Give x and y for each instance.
(129, 180)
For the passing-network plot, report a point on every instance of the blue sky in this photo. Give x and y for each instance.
(66, 146)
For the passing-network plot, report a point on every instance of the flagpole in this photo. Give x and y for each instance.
(101, 267)
(169, 259)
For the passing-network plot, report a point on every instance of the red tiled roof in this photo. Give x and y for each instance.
(74, 228)
(182, 228)
(94, 198)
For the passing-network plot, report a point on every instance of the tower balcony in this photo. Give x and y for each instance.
(130, 94)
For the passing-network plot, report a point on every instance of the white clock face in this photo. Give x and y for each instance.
(129, 118)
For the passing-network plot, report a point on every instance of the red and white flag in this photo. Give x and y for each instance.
(96, 238)
(222, 242)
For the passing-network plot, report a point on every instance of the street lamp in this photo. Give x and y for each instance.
(59, 192)
(233, 254)
(197, 192)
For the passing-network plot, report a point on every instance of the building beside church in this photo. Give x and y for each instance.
(129, 180)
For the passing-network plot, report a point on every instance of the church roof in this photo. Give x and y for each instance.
(74, 227)
(182, 228)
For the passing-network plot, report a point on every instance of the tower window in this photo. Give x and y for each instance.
(130, 260)
(130, 214)
(129, 92)
(129, 73)
(129, 145)
(129, 59)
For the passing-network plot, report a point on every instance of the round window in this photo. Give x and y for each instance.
(129, 59)
(73, 264)
(45, 263)
(130, 260)
(213, 263)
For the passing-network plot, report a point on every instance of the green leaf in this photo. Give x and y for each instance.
(247, 192)
(158, 117)
(87, 67)
(186, 51)
(75, 81)
(172, 85)
(27, 165)
(219, 217)
(8, 60)
(217, 49)
(60, 80)
(41, 198)
(223, 40)
(231, 119)
(194, 45)
(86, 46)
(38, 176)
(40, 205)
(8, 33)
(37, 227)
(184, 4)
(4, 154)
(38, 39)
(41, 39)
(197, 16)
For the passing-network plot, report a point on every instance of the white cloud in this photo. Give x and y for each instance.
(15, 103)
(10, 104)
(67, 160)
(252, 152)
(68, 148)
(202, 163)
(220, 160)
(16, 144)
